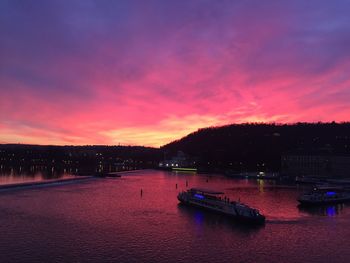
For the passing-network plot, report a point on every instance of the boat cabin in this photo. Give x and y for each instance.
(202, 193)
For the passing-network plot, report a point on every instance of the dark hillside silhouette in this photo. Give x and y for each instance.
(243, 147)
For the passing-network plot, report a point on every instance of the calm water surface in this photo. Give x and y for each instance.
(107, 220)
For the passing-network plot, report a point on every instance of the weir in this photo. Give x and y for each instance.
(43, 183)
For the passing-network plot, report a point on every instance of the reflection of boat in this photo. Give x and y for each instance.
(208, 218)
(211, 200)
(324, 195)
(323, 210)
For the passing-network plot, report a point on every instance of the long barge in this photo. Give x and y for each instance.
(212, 200)
(325, 195)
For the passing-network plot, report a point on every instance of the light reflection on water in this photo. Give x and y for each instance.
(199, 217)
(21, 175)
(107, 220)
(324, 210)
(331, 211)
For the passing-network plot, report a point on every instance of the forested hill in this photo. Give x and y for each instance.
(246, 146)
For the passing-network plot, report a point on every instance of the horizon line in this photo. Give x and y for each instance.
(154, 147)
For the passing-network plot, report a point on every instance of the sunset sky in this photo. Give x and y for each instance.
(148, 72)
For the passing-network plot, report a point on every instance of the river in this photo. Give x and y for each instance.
(108, 220)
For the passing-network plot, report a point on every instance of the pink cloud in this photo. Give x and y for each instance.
(149, 76)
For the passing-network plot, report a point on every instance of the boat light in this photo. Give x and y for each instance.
(199, 196)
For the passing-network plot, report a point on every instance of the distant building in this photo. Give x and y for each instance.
(316, 165)
(180, 160)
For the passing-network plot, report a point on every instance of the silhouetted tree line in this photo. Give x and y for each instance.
(251, 147)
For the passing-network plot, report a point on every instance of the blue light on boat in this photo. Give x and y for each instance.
(330, 193)
(199, 196)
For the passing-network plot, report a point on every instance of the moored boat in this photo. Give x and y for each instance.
(184, 169)
(325, 195)
(212, 200)
(309, 180)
